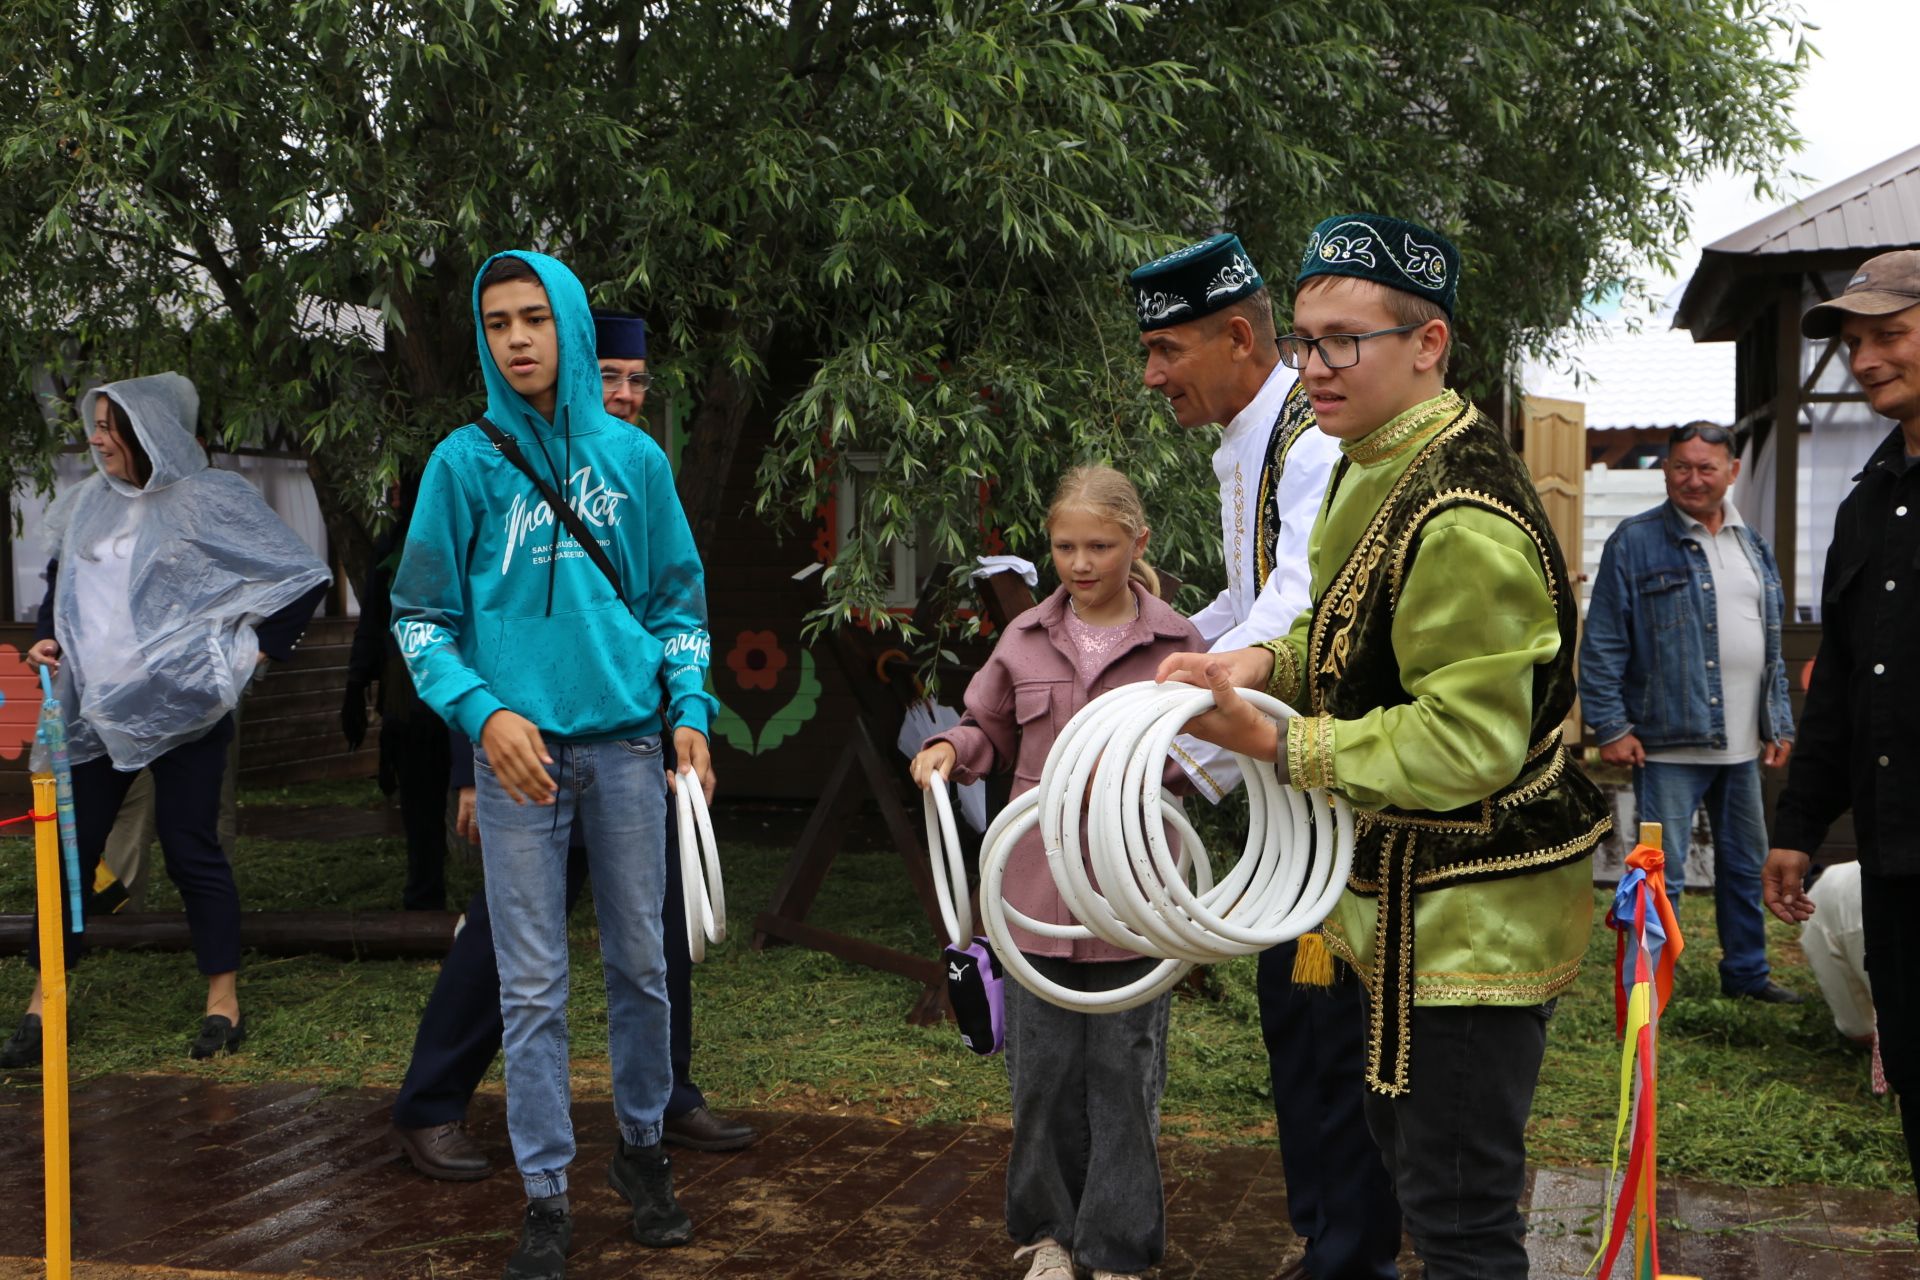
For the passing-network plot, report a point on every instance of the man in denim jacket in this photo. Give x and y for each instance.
(1681, 677)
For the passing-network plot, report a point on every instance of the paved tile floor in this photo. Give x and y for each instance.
(178, 1173)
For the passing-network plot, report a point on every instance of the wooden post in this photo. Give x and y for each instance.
(53, 1030)
(1650, 835)
(1786, 443)
(785, 919)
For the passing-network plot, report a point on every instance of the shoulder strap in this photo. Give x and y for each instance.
(562, 511)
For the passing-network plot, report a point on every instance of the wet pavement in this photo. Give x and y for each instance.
(289, 1179)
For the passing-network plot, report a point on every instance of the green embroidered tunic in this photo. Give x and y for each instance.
(1474, 619)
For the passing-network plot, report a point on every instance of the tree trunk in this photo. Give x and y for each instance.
(347, 534)
(712, 439)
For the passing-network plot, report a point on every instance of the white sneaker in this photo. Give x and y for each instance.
(1116, 1275)
(1050, 1261)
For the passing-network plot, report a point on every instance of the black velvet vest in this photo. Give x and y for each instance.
(1550, 815)
(1295, 420)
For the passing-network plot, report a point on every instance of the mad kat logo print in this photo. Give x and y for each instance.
(687, 652)
(415, 637)
(597, 505)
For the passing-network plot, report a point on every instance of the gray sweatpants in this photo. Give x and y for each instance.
(1085, 1170)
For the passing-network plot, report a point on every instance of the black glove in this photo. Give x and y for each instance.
(353, 714)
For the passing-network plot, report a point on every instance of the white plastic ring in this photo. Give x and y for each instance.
(701, 888)
(950, 880)
(1120, 878)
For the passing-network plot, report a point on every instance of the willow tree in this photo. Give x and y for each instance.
(897, 229)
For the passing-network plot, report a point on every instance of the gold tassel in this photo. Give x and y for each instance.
(1312, 962)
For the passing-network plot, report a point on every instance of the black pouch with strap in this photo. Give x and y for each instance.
(562, 510)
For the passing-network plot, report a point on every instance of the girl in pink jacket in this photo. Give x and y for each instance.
(1083, 1178)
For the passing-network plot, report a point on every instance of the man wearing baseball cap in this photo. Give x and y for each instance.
(1857, 748)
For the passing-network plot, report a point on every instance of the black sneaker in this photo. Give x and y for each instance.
(545, 1236)
(644, 1176)
(22, 1048)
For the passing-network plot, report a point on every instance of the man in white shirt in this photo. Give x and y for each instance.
(1206, 321)
(1681, 678)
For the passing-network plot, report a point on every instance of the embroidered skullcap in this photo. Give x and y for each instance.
(619, 335)
(1400, 255)
(1193, 282)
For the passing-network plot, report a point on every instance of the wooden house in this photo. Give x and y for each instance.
(1803, 423)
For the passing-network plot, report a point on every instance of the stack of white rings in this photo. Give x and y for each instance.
(1108, 763)
(701, 890)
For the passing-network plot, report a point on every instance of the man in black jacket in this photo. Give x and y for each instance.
(1857, 746)
(414, 745)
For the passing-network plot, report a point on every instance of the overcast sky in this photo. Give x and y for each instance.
(1859, 105)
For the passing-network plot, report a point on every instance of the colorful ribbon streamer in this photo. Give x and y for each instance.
(53, 732)
(1650, 934)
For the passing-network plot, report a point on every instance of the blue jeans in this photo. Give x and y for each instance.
(617, 791)
(1668, 794)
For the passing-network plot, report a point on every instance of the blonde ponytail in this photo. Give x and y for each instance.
(1105, 493)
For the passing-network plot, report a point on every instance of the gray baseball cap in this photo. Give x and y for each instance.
(1882, 286)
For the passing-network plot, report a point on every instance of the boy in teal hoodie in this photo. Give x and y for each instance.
(516, 638)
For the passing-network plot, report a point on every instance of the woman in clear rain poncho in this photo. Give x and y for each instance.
(172, 581)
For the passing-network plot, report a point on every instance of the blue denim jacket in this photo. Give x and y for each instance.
(1649, 658)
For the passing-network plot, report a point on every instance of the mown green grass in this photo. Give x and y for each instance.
(1750, 1094)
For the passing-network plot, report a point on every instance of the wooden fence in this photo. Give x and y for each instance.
(289, 724)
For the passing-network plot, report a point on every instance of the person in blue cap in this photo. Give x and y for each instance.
(620, 340)
(460, 1029)
(1206, 324)
(1433, 676)
(551, 606)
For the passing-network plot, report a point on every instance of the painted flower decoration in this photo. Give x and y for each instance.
(826, 542)
(757, 659)
(19, 703)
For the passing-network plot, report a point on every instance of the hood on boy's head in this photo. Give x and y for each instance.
(163, 409)
(577, 395)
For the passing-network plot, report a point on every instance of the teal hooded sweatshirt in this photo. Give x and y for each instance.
(495, 605)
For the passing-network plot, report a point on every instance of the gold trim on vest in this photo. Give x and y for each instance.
(1386, 443)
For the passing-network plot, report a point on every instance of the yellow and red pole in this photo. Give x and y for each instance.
(53, 1030)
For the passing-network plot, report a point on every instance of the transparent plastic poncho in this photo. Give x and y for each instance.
(206, 559)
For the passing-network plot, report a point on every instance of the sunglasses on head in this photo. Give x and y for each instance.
(1702, 431)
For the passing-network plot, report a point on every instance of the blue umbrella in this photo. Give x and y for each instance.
(53, 732)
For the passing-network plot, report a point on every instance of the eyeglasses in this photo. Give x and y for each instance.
(640, 382)
(1337, 350)
(1703, 431)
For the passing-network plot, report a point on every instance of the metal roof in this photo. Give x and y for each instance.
(1654, 378)
(1874, 210)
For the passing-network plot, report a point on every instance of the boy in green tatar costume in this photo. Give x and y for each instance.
(1432, 676)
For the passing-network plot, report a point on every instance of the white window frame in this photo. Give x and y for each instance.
(903, 586)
